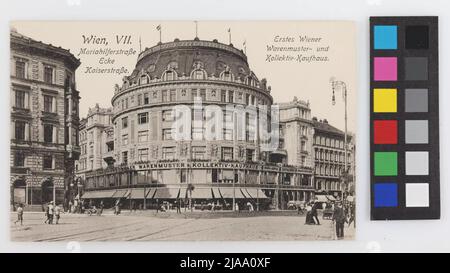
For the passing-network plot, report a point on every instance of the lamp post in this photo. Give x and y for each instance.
(336, 86)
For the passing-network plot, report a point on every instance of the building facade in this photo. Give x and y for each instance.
(44, 121)
(96, 141)
(333, 175)
(220, 158)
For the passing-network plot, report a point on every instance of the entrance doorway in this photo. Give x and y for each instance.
(47, 190)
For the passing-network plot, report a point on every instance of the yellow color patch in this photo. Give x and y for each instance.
(384, 100)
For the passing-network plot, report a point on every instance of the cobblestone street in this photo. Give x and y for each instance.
(190, 226)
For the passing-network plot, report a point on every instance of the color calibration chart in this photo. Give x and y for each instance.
(404, 118)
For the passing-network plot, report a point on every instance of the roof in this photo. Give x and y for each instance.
(326, 127)
(19, 42)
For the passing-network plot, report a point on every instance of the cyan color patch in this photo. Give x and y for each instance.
(385, 195)
(385, 37)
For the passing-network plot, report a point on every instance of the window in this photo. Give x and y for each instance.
(168, 153)
(143, 118)
(164, 95)
(173, 95)
(249, 154)
(125, 139)
(167, 134)
(230, 96)
(146, 101)
(198, 152)
(19, 159)
(48, 162)
(143, 136)
(247, 99)
(223, 95)
(20, 69)
(227, 153)
(194, 94)
(48, 133)
(48, 74)
(199, 75)
(143, 154)
(48, 103)
(20, 99)
(203, 94)
(125, 157)
(167, 115)
(140, 99)
(124, 122)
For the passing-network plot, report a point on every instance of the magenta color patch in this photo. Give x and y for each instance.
(385, 68)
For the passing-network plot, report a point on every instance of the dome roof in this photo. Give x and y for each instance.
(183, 57)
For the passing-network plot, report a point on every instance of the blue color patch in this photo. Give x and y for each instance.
(385, 195)
(385, 37)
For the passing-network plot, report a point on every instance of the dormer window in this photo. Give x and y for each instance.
(169, 75)
(144, 79)
(198, 74)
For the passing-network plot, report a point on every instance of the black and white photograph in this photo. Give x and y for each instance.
(182, 131)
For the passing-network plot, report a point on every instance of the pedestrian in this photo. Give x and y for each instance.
(237, 207)
(309, 219)
(51, 211)
(157, 205)
(339, 219)
(178, 205)
(47, 216)
(57, 213)
(19, 215)
(314, 213)
(100, 208)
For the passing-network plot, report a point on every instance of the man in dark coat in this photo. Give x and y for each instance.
(339, 219)
(314, 213)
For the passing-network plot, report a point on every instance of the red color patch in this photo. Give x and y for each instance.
(385, 132)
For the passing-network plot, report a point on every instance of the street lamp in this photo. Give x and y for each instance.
(341, 86)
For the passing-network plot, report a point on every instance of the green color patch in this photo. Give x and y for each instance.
(385, 163)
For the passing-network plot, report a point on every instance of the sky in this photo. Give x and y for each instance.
(308, 81)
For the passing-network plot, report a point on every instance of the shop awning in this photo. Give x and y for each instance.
(228, 193)
(167, 193)
(324, 198)
(255, 193)
(139, 193)
(121, 193)
(216, 193)
(202, 193)
(98, 194)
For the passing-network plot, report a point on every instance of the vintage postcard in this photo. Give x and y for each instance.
(182, 130)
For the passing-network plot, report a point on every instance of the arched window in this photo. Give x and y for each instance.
(144, 79)
(226, 75)
(198, 74)
(169, 75)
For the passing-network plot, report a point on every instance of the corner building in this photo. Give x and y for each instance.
(44, 122)
(151, 165)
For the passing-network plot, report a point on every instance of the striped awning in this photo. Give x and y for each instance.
(121, 193)
(202, 193)
(139, 193)
(98, 194)
(230, 192)
(167, 193)
(255, 193)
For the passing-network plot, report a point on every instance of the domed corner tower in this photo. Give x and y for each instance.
(184, 73)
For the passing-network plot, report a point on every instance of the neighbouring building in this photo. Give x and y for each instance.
(44, 121)
(150, 165)
(96, 141)
(330, 175)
